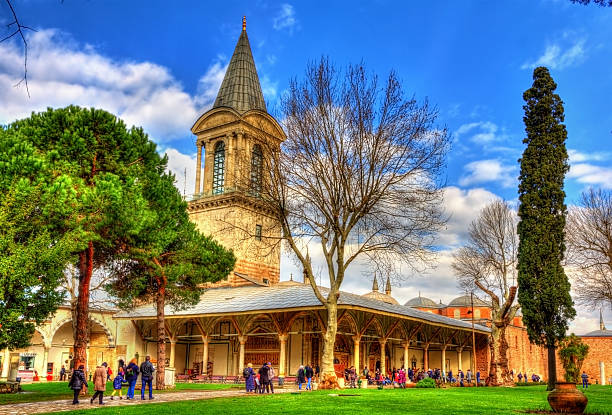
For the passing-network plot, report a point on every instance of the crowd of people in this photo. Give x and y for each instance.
(126, 375)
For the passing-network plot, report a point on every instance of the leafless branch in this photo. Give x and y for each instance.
(18, 30)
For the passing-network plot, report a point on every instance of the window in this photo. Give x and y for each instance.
(258, 232)
(219, 168)
(256, 169)
(477, 314)
(456, 313)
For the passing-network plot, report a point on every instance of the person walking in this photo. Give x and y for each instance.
(585, 380)
(301, 377)
(478, 378)
(131, 375)
(469, 376)
(271, 374)
(118, 384)
(109, 374)
(99, 380)
(77, 383)
(62, 373)
(146, 373)
(309, 373)
(249, 378)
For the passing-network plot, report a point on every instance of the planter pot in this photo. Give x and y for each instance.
(566, 398)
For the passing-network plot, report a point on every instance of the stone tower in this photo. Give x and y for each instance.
(233, 140)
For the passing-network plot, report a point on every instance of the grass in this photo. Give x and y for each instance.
(453, 401)
(37, 392)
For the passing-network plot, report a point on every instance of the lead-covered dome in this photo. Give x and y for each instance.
(466, 301)
(422, 302)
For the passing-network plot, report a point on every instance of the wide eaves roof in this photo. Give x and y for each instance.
(246, 300)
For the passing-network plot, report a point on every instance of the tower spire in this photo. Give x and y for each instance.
(240, 88)
(601, 322)
(375, 284)
(388, 286)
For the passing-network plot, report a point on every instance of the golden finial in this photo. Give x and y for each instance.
(243, 22)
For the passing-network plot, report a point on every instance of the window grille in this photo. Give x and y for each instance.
(219, 169)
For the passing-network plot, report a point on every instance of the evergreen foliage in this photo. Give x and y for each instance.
(543, 286)
(573, 352)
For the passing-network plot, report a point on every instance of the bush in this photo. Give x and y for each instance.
(426, 383)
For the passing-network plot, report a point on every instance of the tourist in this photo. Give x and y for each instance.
(77, 382)
(366, 374)
(301, 377)
(62, 373)
(512, 375)
(520, 377)
(146, 371)
(109, 372)
(131, 375)
(309, 373)
(469, 376)
(257, 383)
(585, 380)
(249, 378)
(316, 371)
(461, 376)
(264, 378)
(118, 384)
(450, 376)
(411, 375)
(478, 378)
(99, 380)
(353, 377)
(271, 373)
(401, 378)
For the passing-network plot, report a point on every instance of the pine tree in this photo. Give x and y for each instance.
(543, 286)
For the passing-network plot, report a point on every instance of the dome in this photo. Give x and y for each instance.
(598, 333)
(466, 301)
(422, 302)
(377, 295)
(289, 282)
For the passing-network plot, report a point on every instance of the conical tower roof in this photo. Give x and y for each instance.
(240, 88)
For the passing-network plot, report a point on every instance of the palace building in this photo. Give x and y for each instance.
(253, 317)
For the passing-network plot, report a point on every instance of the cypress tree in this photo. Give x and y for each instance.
(543, 286)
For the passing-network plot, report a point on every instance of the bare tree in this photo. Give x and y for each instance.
(357, 174)
(488, 263)
(17, 28)
(589, 247)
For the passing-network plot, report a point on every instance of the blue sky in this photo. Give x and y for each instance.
(160, 66)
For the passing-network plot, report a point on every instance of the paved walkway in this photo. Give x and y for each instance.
(66, 405)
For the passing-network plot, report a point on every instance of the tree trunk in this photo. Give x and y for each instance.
(161, 337)
(81, 337)
(329, 339)
(498, 370)
(552, 367)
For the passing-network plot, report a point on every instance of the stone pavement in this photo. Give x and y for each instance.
(66, 404)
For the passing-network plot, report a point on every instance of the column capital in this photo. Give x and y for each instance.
(382, 341)
(444, 346)
(242, 339)
(282, 337)
(460, 349)
(205, 338)
(356, 339)
(406, 344)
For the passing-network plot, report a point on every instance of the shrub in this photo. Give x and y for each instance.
(426, 383)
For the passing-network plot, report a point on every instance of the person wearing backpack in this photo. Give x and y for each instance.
(118, 384)
(249, 378)
(131, 375)
(264, 372)
(77, 382)
(146, 371)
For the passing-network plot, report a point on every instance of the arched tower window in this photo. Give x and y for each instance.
(256, 169)
(477, 313)
(219, 169)
(457, 313)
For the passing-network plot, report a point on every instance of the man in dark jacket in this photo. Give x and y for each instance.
(264, 378)
(146, 370)
(309, 374)
(77, 382)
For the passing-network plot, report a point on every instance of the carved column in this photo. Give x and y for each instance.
(282, 359)
(443, 365)
(242, 340)
(172, 352)
(43, 371)
(356, 341)
(198, 168)
(383, 365)
(406, 346)
(459, 350)
(426, 357)
(205, 340)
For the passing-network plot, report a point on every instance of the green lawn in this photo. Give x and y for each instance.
(409, 401)
(37, 392)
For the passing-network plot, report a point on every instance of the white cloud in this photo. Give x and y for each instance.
(483, 171)
(62, 73)
(576, 156)
(482, 132)
(285, 19)
(591, 174)
(183, 166)
(556, 57)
